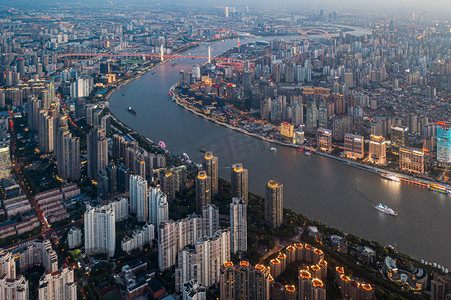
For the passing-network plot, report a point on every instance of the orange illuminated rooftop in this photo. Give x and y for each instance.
(228, 264)
(345, 278)
(299, 245)
(340, 270)
(260, 267)
(367, 287)
(272, 183)
(317, 251)
(202, 175)
(317, 283)
(315, 268)
(208, 155)
(270, 278)
(238, 167)
(281, 256)
(290, 288)
(275, 261)
(305, 274)
(322, 263)
(308, 247)
(291, 248)
(244, 263)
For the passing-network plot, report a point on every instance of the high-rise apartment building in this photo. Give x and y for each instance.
(68, 156)
(97, 148)
(14, 288)
(168, 184)
(45, 131)
(139, 202)
(203, 192)
(210, 165)
(309, 287)
(158, 206)
(74, 238)
(7, 264)
(274, 203)
(203, 263)
(238, 225)
(239, 181)
(59, 285)
(378, 150)
(354, 146)
(245, 282)
(38, 253)
(100, 230)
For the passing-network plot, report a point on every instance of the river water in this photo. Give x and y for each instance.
(320, 188)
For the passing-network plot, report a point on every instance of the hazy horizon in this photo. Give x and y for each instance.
(438, 7)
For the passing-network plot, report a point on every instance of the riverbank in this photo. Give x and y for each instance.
(403, 177)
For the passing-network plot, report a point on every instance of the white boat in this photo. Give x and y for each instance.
(391, 177)
(273, 149)
(308, 153)
(386, 210)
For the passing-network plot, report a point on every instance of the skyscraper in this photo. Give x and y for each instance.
(238, 225)
(45, 131)
(168, 183)
(100, 230)
(158, 206)
(203, 193)
(244, 281)
(97, 151)
(211, 167)
(444, 143)
(139, 202)
(274, 203)
(239, 181)
(68, 156)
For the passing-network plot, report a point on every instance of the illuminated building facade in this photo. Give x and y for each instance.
(324, 139)
(411, 160)
(354, 146)
(378, 150)
(444, 143)
(286, 130)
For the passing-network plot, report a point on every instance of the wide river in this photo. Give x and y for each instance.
(320, 188)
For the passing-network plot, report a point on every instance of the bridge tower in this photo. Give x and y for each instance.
(209, 55)
(162, 53)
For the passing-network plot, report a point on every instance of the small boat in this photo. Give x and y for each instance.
(130, 109)
(386, 210)
(272, 149)
(391, 177)
(308, 153)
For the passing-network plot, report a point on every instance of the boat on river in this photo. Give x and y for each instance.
(386, 210)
